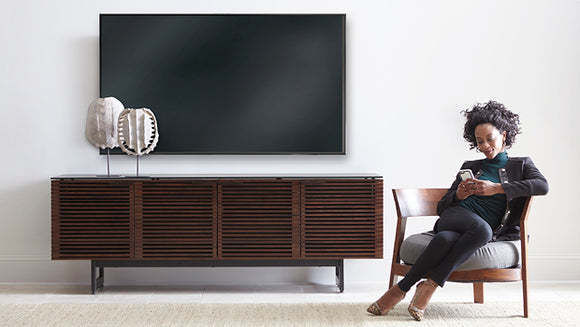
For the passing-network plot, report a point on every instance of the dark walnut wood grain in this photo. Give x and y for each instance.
(214, 219)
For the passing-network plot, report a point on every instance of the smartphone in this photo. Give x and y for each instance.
(466, 174)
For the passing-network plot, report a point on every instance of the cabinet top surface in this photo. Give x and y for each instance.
(220, 176)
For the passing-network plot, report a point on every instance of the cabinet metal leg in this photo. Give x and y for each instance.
(340, 275)
(97, 281)
(98, 266)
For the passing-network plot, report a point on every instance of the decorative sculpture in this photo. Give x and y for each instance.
(101, 128)
(137, 132)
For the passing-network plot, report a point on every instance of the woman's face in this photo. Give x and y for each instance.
(489, 140)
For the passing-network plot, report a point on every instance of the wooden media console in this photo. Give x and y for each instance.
(216, 221)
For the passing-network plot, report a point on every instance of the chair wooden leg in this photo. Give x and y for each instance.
(392, 279)
(478, 292)
(524, 253)
(525, 289)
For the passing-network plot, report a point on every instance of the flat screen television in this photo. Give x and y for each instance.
(231, 83)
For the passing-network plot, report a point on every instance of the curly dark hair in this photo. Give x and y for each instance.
(493, 113)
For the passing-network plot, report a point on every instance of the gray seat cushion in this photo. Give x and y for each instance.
(504, 254)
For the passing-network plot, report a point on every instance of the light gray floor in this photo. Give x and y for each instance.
(273, 293)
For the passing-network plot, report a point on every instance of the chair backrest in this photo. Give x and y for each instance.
(417, 202)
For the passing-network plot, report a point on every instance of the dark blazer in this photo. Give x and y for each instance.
(523, 180)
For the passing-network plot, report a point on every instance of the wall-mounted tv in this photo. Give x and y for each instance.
(231, 83)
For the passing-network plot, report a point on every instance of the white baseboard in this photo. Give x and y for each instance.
(40, 269)
(554, 267)
(23, 258)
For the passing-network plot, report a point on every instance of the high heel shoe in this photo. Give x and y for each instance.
(424, 291)
(395, 294)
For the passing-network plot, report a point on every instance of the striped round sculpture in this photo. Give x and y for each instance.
(137, 131)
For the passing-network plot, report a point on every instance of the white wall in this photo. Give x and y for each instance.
(411, 67)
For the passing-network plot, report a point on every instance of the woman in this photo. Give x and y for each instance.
(475, 211)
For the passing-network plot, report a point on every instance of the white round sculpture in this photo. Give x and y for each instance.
(102, 119)
(137, 131)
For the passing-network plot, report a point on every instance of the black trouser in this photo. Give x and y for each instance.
(459, 233)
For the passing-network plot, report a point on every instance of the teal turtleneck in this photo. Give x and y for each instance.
(491, 208)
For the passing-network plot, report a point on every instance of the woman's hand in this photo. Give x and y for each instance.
(487, 188)
(465, 189)
(477, 187)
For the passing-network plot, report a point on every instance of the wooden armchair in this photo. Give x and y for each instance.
(423, 202)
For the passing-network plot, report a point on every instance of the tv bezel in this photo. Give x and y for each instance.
(117, 151)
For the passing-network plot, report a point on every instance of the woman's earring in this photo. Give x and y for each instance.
(504, 139)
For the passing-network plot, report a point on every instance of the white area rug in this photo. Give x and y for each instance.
(319, 314)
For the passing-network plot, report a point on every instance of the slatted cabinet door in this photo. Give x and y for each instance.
(258, 219)
(175, 220)
(215, 219)
(91, 220)
(342, 219)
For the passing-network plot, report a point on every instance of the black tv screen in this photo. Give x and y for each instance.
(229, 83)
